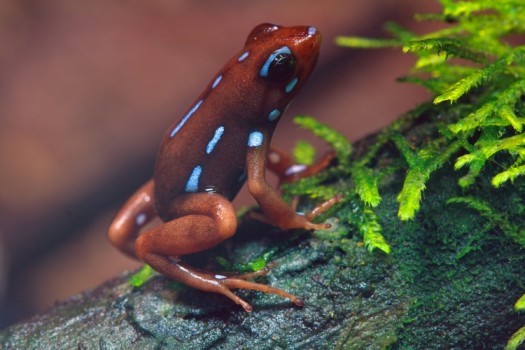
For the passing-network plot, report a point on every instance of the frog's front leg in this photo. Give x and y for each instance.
(275, 209)
(201, 221)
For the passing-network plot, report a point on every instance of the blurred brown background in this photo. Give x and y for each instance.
(87, 88)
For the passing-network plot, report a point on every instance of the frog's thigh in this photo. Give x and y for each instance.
(202, 220)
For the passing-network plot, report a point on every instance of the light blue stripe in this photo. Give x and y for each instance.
(193, 182)
(291, 85)
(255, 139)
(216, 82)
(274, 115)
(266, 66)
(243, 56)
(312, 30)
(213, 142)
(185, 119)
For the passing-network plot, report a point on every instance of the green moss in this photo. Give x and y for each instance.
(364, 184)
(339, 143)
(520, 304)
(471, 64)
(475, 122)
(516, 340)
(142, 276)
(304, 152)
(457, 264)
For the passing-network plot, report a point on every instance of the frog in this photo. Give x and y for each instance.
(222, 142)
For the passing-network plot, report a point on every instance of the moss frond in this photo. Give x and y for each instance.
(304, 153)
(142, 276)
(311, 187)
(338, 142)
(367, 222)
(366, 184)
(371, 230)
(491, 71)
(399, 32)
(364, 43)
(520, 304)
(500, 106)
(420, 169)
(516, 340)
(448, 47)
(510, 174)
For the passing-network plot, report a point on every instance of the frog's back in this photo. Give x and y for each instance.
(207, 156)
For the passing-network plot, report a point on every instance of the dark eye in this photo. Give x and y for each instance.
(280, 66)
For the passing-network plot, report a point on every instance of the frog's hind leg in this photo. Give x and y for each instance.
(287, 170)
(135, 214)
(202, 220)
(214, 283)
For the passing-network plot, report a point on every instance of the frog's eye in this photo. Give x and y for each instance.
(280, 66)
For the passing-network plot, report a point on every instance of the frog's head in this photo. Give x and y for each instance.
(286, 55)
(270, 70)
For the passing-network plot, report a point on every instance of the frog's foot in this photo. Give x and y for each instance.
(324, 206)
(249, 275)
(318, 210)
(216, 283)
(306, 223)
(240, 282)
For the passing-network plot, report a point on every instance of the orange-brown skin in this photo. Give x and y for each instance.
(204, 159)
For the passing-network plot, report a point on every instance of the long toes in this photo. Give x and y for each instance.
(232, 283)
(298, 302)
(321, 208)
(246, 276)
(224, 290)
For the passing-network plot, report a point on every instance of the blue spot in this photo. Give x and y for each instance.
(193, 182)
(141, 219)
(266, 65)
(213, 142)
(312, 30)
(274, 115)
(243, 56)
(216, 82)
(291, 85)
(255, 139)
(185, 119)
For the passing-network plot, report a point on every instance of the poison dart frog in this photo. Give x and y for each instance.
(204, 159)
